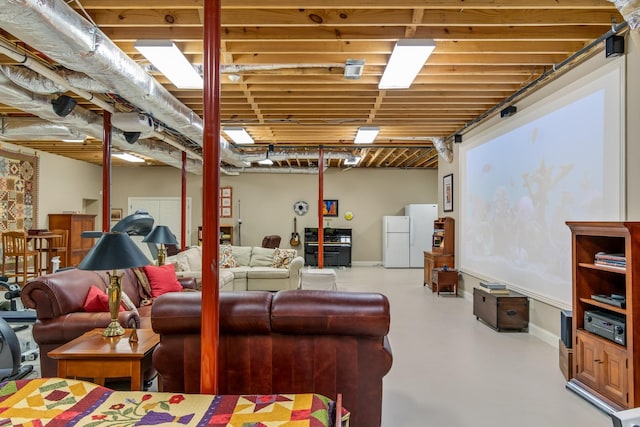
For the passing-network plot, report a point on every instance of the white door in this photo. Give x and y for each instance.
(165, 211)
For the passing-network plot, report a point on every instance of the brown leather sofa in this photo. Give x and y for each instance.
(58, 299)
(292, 341)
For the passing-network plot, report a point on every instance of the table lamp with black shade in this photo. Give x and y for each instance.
(114, 251)
(162, 235)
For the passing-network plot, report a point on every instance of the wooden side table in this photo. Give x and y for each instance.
(444, 279)
(93, 356)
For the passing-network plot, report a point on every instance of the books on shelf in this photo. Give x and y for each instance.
(611, 259)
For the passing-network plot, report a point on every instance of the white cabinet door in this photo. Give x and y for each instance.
(165, 211)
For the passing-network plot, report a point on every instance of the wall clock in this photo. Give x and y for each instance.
(300, 208)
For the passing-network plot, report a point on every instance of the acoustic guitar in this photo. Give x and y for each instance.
(295, 237)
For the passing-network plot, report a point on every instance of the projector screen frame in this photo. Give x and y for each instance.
(557, 95)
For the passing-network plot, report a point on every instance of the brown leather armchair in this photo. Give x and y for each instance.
(294, 341)
(272, 241)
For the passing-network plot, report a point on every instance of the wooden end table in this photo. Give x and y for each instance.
(444, 279)
(93, 356)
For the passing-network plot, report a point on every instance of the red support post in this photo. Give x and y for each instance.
(106, 171)
(320, 207)
(211, 195)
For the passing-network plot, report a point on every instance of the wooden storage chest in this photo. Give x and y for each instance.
(508, 311)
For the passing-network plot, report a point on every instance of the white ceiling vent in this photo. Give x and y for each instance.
(353, 68)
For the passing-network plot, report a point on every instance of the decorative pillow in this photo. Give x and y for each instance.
(97, 300)
(162, 279)
(227, 260)
(283, 257)
(126, 302)
(242, 255)
(261, 257)
(145, 287)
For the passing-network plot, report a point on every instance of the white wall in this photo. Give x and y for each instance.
(266, 200)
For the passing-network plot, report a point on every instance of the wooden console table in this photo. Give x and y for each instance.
(93, 356)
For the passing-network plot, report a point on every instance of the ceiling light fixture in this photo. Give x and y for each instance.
(128, 157)
(267, 161)
(166, 57)
(366, 134)
(407, 59)
(238, 135)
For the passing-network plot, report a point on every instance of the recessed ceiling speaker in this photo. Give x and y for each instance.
(457, 138)
(509, 111)
(63, 105)
(131, 137)
(614, 46)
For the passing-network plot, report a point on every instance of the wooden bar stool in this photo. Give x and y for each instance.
(58, 247)
(15, 257)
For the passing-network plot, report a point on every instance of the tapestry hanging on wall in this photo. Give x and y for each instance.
(18, 191)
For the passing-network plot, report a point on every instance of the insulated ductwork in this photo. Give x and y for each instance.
(86, 122)
(31, 80)
(59, 32)
(443, 148)
(630, 11)
(34, 129)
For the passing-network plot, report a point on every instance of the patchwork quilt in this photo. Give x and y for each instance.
(66, 402)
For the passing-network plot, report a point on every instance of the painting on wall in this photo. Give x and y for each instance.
(330, 208)
(18, 191)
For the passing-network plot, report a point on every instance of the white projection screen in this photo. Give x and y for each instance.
(562, 159)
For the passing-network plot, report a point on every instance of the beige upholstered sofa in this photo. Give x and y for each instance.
(245, 268)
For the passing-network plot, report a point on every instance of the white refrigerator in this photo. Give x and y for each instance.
(421, 218)
(395, 241)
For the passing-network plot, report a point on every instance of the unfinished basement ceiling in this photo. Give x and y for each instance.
(283, 71)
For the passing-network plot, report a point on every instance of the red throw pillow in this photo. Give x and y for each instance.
(97, 300)
(162, 279)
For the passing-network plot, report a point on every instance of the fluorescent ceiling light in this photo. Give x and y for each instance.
(406, 61)
(238, 135)
(366, 135)
(167, 58)
(352, 161)
(128, 157)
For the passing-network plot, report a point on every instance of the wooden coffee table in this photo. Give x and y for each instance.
(93, 356)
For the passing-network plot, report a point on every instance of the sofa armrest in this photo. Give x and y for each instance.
(295, 266)
(67, 327)
(188, 282)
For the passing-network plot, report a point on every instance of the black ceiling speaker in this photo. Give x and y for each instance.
(457, 138)
(131, 137)
(614, 46)
(509, 111)
(63, 105)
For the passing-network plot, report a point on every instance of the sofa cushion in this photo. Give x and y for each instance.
(261, 257)
(282, 257)
(267, 273)
(242, 254)
(97, 301)
(240, 272)
(227, 259)
(162, 279)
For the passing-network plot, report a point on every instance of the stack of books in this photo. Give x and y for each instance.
(494, 288)
(615, 260)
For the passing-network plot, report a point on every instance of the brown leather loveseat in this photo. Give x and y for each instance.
(59, 298)
(292, 341)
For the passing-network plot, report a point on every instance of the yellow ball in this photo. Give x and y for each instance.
(348, 215)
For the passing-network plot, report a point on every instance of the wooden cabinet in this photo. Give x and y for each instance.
(444, 281)
(508, 311)
(442, 250)
(606, 372)
(77, 246)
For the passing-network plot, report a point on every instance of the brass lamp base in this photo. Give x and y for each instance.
(113, 330)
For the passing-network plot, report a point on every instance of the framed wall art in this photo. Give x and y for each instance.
(447, 193)
(226, 210)
(329, 208)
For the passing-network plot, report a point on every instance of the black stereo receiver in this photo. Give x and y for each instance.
(608, 325)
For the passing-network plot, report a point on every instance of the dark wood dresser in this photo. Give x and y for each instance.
(77, 246)
(501, 311)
